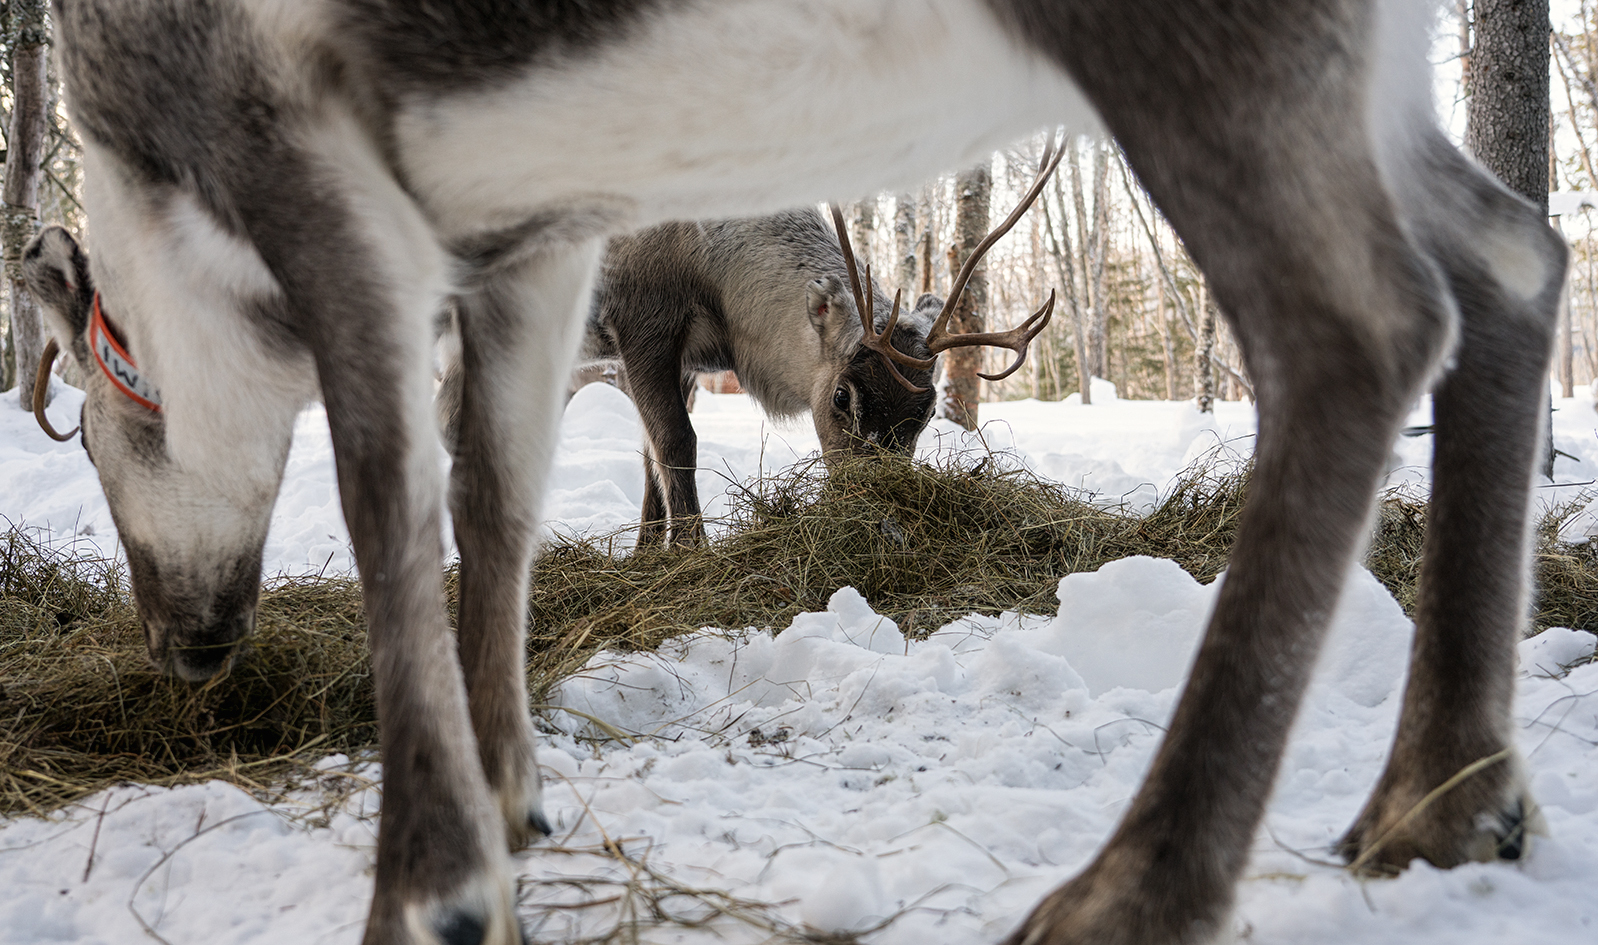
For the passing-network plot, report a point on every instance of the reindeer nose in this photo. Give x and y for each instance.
(197, 664)
(197, 657)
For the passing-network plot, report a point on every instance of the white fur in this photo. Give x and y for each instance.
(741, 107)
(175, 283)
(554, 288)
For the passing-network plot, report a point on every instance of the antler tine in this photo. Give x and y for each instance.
(1016, 339)
(880, 342)
(41, 387)
(1052, 153)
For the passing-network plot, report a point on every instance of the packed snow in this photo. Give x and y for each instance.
(833, 774)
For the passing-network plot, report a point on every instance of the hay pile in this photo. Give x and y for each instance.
(80, 709)
(923, 544)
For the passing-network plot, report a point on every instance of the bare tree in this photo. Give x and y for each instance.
(904, 241)
(1167, 343)
(20, 190)
(962, 388)
(1098, 250)
(863, 232)
(1203, 367)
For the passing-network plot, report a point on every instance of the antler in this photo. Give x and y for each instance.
(41, 387)
(1017, 338)
(939, 339)
(881, 343)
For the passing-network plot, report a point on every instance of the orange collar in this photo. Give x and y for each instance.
(117, 364)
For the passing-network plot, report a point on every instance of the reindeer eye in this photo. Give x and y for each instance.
(840, 399)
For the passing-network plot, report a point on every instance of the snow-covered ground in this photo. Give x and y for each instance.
(834, 774)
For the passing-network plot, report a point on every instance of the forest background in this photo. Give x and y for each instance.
(1132, 307)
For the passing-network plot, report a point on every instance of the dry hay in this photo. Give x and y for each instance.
(81, 710)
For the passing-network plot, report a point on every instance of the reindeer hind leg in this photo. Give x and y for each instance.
(519, 334)
(1504, 267)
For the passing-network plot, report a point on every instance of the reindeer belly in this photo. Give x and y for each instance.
(729, 109)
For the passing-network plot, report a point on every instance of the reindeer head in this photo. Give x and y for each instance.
(861, 407)
(882, 397)
(193, 538)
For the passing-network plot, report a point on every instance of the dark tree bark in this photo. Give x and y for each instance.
(20, 191)
(1506, 119)
(962, 389)
(1507, 115)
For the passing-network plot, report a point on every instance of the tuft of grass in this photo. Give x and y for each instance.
(81, 709)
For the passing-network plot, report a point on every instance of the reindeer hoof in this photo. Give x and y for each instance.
(525, 823)
(1110, 905)
(1467, 824)
(539, 823)
(462, 929)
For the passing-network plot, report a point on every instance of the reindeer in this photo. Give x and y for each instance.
(766, 297)
(283, 195)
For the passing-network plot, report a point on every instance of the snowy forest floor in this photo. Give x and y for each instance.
(832, 774)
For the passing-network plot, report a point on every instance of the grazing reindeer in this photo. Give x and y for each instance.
(771, 298)
(283, 195)
(763, 297)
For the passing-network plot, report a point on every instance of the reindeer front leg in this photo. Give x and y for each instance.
(1167, 875)
(441, 861)
(519, 332)
(1341, 325)
(661, 389)
(365, 283)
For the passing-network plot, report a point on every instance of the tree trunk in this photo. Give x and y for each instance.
(926, 257)
(863, 231)
(1167, 343)
(962, 388)
(1098, 253)
(20, 191)
(904, 243)
(1060, 248)
(1082, 319)
(1506, 119)
(1507, 116)
(1566, 355)
(1203, 356)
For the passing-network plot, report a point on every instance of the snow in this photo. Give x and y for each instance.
(832, 773)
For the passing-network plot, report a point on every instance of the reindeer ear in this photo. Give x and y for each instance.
(821, 303)
(928, 301)
(57, 273)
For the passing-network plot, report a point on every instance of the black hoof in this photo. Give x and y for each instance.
(540, 823)
(462, 929)
(1512, 842)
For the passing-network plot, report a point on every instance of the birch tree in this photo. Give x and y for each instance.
(20, 190)
(962, 388)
